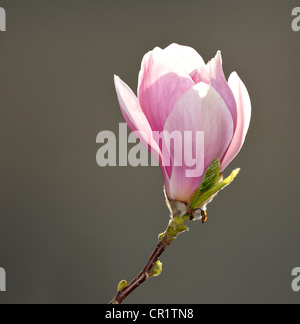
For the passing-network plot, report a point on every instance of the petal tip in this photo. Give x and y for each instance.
(116, 79)
(218, 56)
(233, 75)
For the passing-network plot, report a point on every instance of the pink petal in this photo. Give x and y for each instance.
(161, 84)
(213, 74)
(243, 118)
(134, 116)
(185, 57)
(201, 75)
(199, 109)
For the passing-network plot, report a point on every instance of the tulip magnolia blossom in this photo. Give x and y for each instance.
(177, 91)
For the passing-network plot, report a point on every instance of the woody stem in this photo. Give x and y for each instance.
(174, 228)
(143, 275)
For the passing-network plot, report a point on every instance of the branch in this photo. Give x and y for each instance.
(175, 227)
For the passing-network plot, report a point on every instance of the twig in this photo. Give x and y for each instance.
(175, 227)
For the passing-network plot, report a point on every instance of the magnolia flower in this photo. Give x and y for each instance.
(179, 94)
(177, 91)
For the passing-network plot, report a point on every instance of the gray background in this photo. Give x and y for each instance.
(70, 230)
